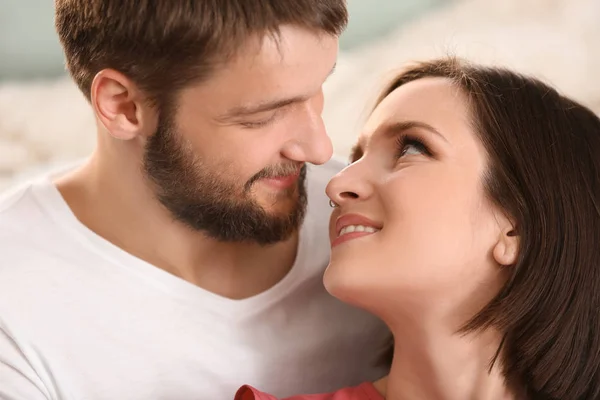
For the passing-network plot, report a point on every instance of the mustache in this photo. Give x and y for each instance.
(277, 171)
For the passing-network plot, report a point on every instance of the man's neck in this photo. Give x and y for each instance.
(444, 365)
(115, 203)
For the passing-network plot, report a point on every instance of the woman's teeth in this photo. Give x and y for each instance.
(357, 228)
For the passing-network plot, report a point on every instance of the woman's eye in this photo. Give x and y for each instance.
(413, 148)
(410, 146)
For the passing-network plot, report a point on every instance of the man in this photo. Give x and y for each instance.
(178, 262)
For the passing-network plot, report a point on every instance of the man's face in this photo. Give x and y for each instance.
(230, 161)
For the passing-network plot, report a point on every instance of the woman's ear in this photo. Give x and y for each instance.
(507, 248)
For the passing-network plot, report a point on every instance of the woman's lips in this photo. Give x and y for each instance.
(352, 226)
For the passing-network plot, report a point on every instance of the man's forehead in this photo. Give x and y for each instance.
(290, 47)
(254, 82)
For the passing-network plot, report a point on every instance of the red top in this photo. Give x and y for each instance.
(366, 391)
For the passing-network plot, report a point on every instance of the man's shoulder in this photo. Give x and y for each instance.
(30, 193)
(18, 209)
(30, 204)
(27, 231)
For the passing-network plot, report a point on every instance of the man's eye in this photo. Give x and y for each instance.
(260, 123)
(256, 124)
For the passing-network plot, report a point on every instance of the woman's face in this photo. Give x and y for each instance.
(413, 225)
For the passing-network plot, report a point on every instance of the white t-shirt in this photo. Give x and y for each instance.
(82, 319)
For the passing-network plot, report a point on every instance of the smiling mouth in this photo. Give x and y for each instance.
(356, 228)
(350, 232)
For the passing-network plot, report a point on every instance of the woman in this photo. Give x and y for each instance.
(469, 221)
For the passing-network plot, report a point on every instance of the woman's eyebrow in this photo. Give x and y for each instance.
(398, 128)
(394, 129)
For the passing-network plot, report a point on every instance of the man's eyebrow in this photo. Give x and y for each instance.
(394, 129)
(243, 111)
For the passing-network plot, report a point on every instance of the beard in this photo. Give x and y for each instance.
(209, 201)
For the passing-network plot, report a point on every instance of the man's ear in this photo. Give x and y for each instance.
(121, 107)
(506, 249)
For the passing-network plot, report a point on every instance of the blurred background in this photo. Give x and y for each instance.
(45, 121)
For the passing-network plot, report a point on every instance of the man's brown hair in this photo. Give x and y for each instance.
(544, 171)
(164, 45)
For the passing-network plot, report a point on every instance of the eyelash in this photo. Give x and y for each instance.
(256, 125)
(403, 141)
(260, 124)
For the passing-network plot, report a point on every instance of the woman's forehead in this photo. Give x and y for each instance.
(435, 102)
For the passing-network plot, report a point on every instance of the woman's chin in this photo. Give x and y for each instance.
(342, 285)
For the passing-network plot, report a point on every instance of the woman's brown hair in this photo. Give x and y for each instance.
(544, 171)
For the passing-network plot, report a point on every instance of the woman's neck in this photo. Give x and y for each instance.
(444, 365)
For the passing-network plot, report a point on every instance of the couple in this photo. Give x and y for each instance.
(186, 257)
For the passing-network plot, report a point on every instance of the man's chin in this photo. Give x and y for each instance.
(283, 201)
(288, 202)
(281, 211)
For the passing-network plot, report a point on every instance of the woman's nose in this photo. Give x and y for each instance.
(350, 184)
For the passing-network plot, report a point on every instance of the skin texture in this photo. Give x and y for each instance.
(442, 249)
(161, 176)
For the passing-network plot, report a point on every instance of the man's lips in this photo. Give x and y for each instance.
(284, 181)
(351, 226)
